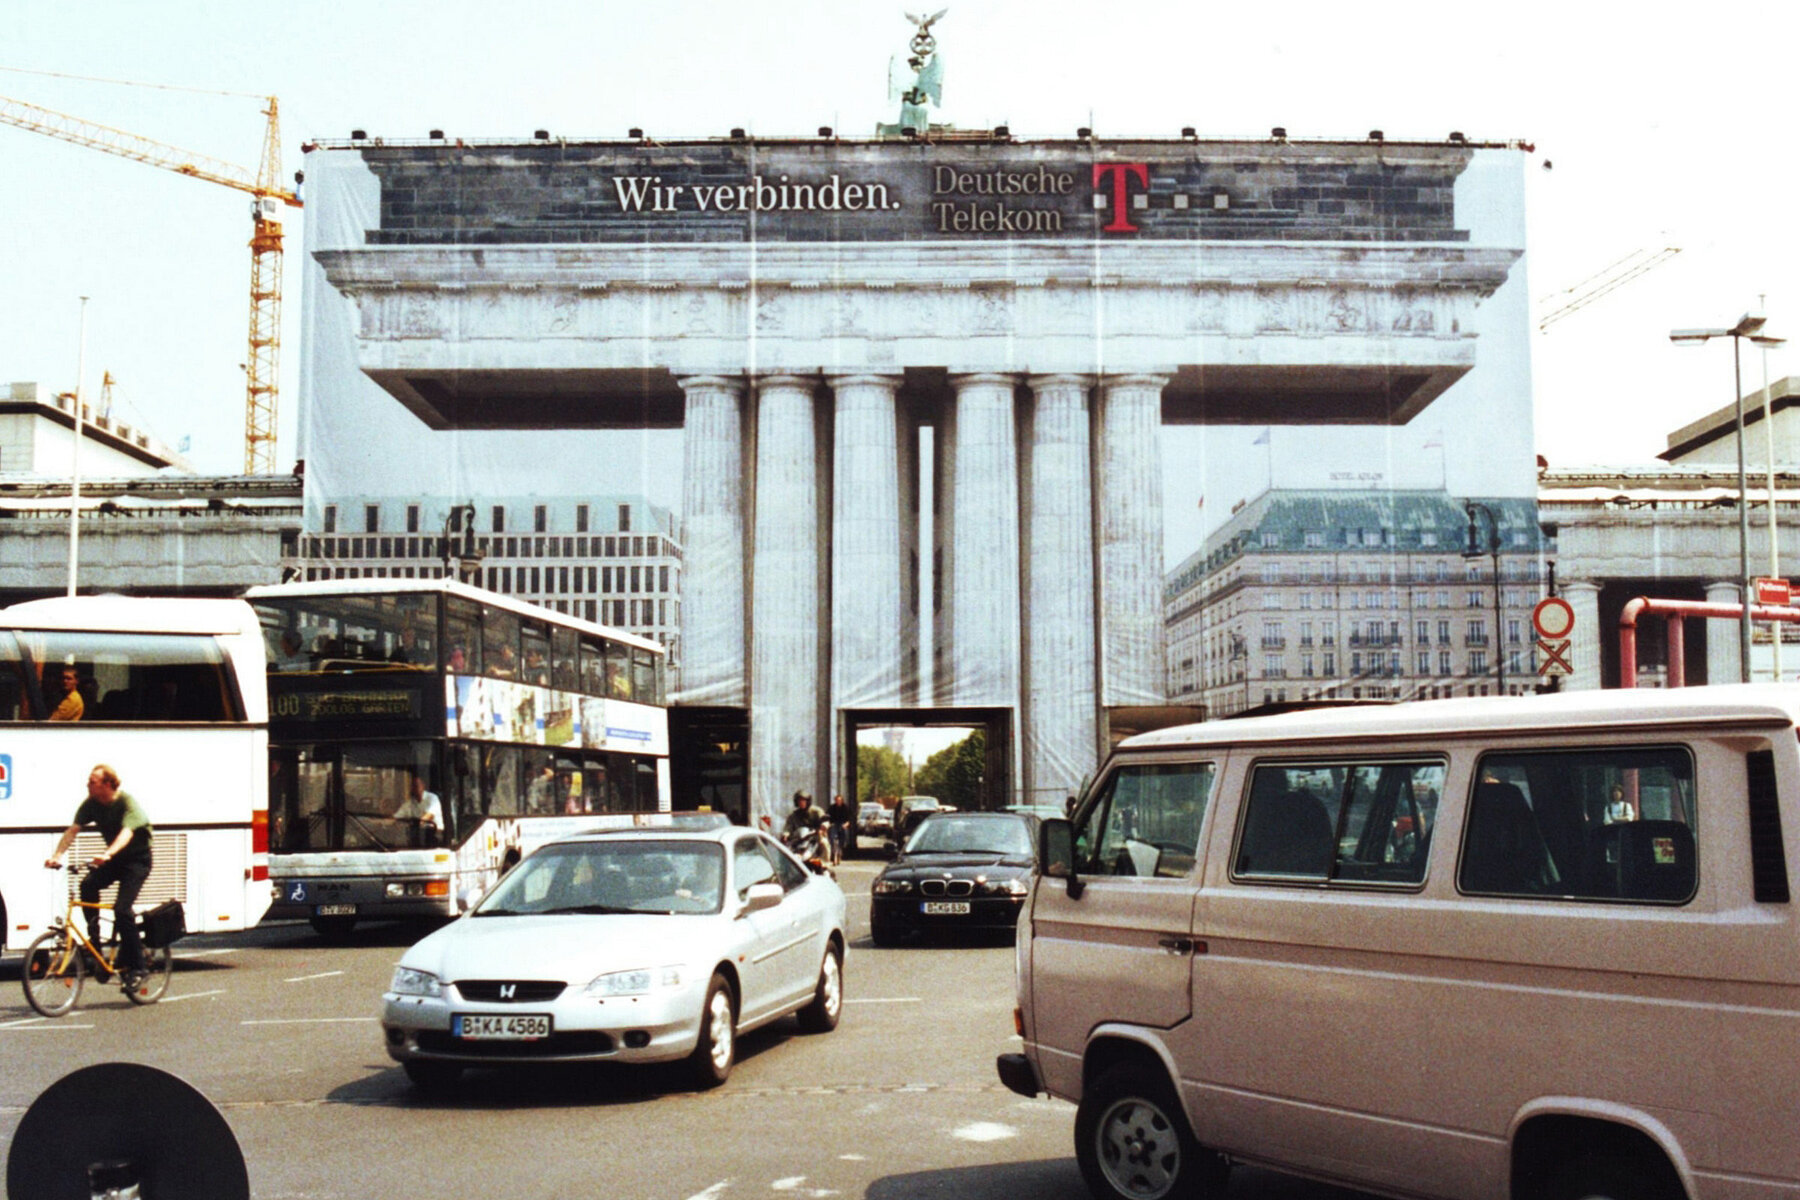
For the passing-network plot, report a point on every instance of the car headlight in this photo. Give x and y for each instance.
(1012, 885)
(891, 887)
(637, 982)
(411, 982)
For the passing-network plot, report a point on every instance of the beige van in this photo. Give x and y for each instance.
(1505, 949)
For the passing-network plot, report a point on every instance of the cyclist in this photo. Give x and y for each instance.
(125, 861)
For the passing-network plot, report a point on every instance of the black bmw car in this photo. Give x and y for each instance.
(958, 870)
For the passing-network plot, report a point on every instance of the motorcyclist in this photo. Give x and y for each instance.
(802, 823)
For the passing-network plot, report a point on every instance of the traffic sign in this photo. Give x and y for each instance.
(1555, 658)
(1553, 618)
(1773, 591)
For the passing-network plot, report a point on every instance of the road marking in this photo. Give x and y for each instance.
(191, 996)
(885, 1000)
(209, 953)
(320, 975)
(713, 1192)
(983, 1131)
(312, 1021)
(31, 1023)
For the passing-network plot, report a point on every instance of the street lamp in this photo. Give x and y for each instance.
(1748, 326)
(1493, 550)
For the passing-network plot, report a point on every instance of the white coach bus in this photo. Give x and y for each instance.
(171, 693)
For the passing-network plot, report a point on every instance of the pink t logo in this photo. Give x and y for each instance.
(1121, 201)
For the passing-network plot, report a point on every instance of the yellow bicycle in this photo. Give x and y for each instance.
(58, 960)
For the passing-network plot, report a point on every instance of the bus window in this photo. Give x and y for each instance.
(12, 680)
(569, 785)
(308, 821)
(593, 667)
(564, 670)
(415, 642)
(618, 671)
(500, 780)
(542, 797)
(462, 636)
(643, 677)
(500, 644)
(463, 798)
(137, 676)
(535, 641)
(593, 786)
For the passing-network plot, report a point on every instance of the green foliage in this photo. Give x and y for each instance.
(879, 772)
(954, 773)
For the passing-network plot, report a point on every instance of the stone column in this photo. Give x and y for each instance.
(712, 617)
(984, 580)
(1724, 655)
(1586, 636)
(1128, 505)
(868, 580)
(1060, 718)
(785, 604)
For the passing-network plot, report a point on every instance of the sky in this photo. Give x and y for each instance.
(1648, 132)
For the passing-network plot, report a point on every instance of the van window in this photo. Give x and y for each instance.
(1145, 821)
(1609, 825)
(1339, 822)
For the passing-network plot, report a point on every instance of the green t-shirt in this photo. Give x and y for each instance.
(122, 813)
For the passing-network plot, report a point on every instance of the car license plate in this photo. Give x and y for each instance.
(944, 908)
(502, 1029)
(336, 910)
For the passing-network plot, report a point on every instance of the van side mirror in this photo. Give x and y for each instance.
(1056, 853)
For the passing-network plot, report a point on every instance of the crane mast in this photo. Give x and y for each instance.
(261, 367)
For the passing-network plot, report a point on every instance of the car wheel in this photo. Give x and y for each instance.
(716, 1050)
(821, 1016)
(332, 928)
(1132, 1141)
(431, 1076)
(1597, 1177)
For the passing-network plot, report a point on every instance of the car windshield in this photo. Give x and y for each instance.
(613, 876)
(970, 835)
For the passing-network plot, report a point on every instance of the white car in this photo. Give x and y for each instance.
(654, 943)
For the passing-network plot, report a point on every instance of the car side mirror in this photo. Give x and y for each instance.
(1056, 853)
(761, 896)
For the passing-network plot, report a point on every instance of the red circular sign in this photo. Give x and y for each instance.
(1553, 618)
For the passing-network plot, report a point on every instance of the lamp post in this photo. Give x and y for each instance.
(1748, 326)
(1493, 551)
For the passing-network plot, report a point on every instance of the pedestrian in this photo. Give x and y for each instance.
(839, 814)
(125, 861)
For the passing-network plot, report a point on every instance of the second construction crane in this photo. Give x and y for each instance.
(262, 367)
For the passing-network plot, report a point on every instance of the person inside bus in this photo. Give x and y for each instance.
(71, 706)
(125, 861)
(425, 809)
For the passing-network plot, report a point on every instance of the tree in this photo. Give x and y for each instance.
(879, 772)
(954, 774)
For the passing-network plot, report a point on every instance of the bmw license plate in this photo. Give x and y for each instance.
(944, 908)
(522, 1028)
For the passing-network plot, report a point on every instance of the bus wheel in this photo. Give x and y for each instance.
(332, 928)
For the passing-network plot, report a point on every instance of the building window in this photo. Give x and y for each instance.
(1514, 633)
(1428, 538)
(1478, 662)
(1315, 538)
(1472, 572)
(540, 518)
(581, 520)
(1444, 667)
(499, 518)
(330, 518)
(371, 518)
(1271, 538)
(1330, 663)
(412, 518)
(624, 518)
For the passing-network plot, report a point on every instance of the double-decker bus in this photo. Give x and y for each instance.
(170, 694)
(424, 734)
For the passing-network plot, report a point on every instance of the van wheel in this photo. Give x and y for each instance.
(1133, 1143)
(1595, 1177)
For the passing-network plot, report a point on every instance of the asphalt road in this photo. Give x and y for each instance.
(278, 1029)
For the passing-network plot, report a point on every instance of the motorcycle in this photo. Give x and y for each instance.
(807, 843)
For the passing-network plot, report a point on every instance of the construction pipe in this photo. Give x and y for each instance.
(1677, 612)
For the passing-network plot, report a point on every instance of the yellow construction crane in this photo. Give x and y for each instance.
(261, 369)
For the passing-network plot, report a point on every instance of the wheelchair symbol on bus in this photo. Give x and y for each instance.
(297, 893)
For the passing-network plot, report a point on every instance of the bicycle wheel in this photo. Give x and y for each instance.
(159, 964)
(52, 974)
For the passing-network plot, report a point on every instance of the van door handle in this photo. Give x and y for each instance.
(1176, 945)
